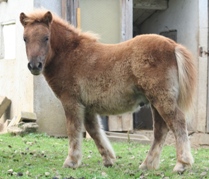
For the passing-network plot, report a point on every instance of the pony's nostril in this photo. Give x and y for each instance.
(30, 66)
(40, 65)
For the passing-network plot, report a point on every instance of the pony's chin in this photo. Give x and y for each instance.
(35, 72)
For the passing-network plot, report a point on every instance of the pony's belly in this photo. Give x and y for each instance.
(119, 98)
(115, 106)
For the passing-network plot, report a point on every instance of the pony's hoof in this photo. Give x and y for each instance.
(180, 167)
(148, 166)
(70, 164)
(143, 167)
(108, 163)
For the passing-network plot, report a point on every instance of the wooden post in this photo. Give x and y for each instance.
(78, 18)
(203, 90)
(126, 19)
(71, 12)
(124, 122)
(64, 9)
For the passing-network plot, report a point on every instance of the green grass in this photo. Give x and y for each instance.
(41, 156)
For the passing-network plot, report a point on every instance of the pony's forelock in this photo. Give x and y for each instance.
(35, 16)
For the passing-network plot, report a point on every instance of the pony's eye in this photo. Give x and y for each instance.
(46, 39)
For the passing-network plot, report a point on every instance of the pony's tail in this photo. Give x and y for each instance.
(187, 74)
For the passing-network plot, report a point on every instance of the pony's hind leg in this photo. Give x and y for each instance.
(160, 132)
(93, 127)
(175, 120)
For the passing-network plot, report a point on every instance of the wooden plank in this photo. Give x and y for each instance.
(124, 139)
(4, 104)
(151, 4)
(121, 122)
(15, 121)
(28, 117)
(23, 116)
(3, 127)
(204, 38)
(115, 123)
(140, 136)
(114, 136)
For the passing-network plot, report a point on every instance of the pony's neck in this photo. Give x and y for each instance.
(64, 40)
(63, 36)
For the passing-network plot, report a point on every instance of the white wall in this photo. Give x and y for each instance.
(15, 80)
(27, 92)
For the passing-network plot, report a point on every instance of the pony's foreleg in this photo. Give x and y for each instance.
(160, 132)
(93, 127)
(74, 130)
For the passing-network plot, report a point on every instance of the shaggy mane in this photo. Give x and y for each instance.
(38, 14)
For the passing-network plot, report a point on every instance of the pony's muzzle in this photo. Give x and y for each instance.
(35, 68)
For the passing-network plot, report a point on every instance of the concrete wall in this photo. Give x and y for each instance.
(182, 16)
(15, 80)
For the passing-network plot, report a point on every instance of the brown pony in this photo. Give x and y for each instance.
(92, 78)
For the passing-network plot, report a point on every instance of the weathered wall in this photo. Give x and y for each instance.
(15, 81)
(180, 15)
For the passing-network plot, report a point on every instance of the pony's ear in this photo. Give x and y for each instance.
(22, 19)
(47, 19)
